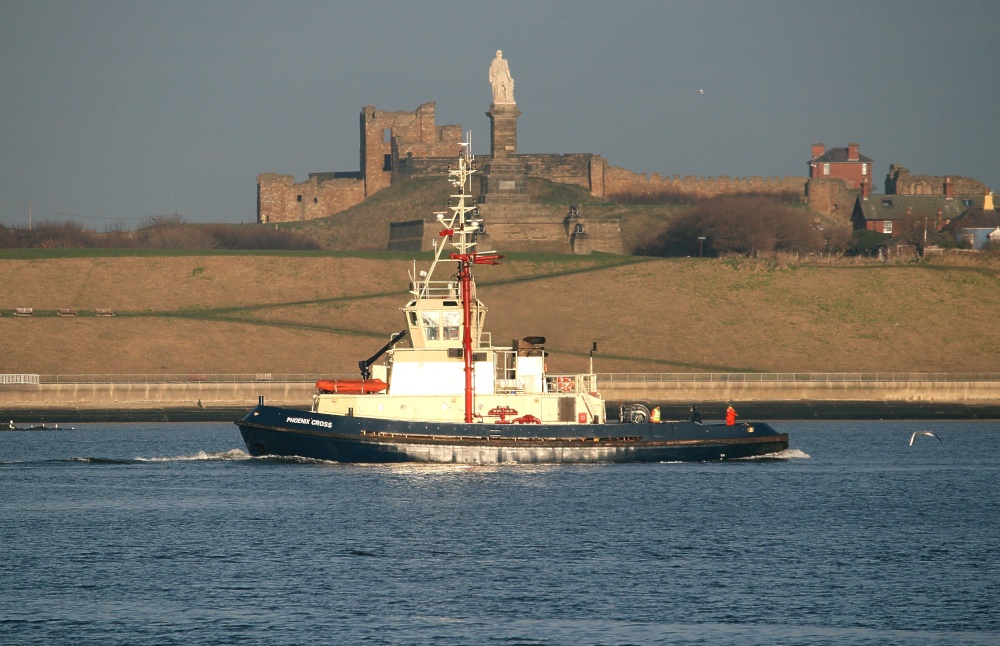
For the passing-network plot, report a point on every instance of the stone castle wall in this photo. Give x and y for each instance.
(578, 169)
(899, 181)
(281, 199)
(403, 144)
(831, 197)
(422, 166)
(387, 137)
(621, 182)
(406, 141)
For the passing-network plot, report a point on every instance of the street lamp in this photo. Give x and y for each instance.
(701, 242)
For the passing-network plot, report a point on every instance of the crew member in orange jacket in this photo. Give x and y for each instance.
(730, 416)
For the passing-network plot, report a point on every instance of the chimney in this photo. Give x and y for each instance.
(988, 201)
(818, 149)
(852, 152)
(949, 189)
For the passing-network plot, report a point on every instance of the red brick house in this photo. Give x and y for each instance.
(897, 214)
(847, 164)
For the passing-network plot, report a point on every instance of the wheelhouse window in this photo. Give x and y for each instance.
(431, 322)
(451, 322)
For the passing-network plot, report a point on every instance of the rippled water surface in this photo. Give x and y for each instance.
(162, 534)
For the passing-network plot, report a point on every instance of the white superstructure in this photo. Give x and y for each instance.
(452, 372)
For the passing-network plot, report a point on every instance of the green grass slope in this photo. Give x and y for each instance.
(322, 312)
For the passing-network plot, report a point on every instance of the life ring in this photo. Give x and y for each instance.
(565, 384)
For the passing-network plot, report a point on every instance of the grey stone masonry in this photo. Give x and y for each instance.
(504, 180)
(509, 227)
(503, 130)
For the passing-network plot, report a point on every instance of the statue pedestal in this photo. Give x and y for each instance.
(503, 129)
(504, 178)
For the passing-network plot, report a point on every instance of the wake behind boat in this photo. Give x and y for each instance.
(453, 396)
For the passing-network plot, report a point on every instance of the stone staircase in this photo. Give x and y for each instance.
(520, 227)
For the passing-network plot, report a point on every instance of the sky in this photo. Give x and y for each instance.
(116, 111)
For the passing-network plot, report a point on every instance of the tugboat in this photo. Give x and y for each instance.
(455, 397)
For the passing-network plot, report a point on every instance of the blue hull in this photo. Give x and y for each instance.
(269, 430)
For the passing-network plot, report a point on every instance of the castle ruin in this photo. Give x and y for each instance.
(404, 144)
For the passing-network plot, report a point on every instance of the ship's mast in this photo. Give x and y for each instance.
(460, 231)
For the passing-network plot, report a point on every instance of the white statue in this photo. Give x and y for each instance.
(500, 79)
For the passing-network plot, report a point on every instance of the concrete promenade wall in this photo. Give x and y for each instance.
(208, 396)
(152, 396)
(951, 392)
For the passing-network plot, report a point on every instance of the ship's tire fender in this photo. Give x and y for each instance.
(637, 414)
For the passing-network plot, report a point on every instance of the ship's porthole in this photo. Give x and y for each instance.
(381, 407)
(444, 406)
(403, 407)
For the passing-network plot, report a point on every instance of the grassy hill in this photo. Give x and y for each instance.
(366, 226)
(322, 312)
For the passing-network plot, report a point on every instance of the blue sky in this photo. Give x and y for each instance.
(117, 111)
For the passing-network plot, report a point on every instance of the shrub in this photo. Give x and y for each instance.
(864, 241)
(744, 225)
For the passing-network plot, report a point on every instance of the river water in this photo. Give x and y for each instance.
(171, 534)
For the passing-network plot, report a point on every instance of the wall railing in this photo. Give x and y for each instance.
(797, 377)
(602, 378)
(190, 378)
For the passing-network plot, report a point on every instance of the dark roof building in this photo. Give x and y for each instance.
(896, 214)
(977, 225)
(847, 164)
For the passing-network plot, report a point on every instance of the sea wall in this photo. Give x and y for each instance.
(153, 396)
(951, 392)
(210, 400)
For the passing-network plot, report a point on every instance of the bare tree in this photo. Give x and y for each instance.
(748, 225)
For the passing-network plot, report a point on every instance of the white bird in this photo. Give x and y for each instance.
(927, 433)
(701, 91)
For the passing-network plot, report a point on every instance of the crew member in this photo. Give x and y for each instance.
(695, 415)
(654, 415)
(730, 415)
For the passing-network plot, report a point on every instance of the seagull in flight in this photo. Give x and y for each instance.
(927, 433)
